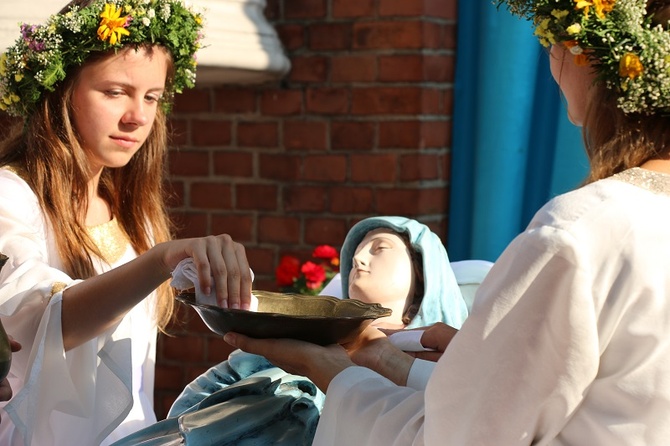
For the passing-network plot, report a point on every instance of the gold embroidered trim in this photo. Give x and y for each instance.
(57, 287)
(110, 239)
(653, 181)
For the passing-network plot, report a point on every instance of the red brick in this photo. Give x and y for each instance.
(445, 166)
(234, 100)
(239, 227)
(388, 35)
(301, 9)
(190, 224)
(399, 134)
(178, 131)
(167, 376)
(266, 283)
(291, 36)
(284, 230)
(217, 351)
(305, 135)
(192, 101)
(433, 35)
(319, 231)
(411, 202)
(210, 132)
(351, 200)
(330, 36)
(401, 68)
(353, 8)
(328, 100)
(183, 349)
(357, 68)
(448, 101)
(281, 102)
(325, 168)
(272, 10)
(279, 167)
(450, 37)
(174, 193)
(373, 168)
(261, 197)
(308, 69)
(195, 163)
(386, 100)
(432, 101)
(419, 167)
(438, 68)
(211, 196)
(435, 134)
(236, 164)
(305, 199)
(446, 9)
(353, 135)
(257, 134)
(261, 261)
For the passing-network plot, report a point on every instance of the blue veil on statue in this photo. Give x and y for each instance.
(245, 400)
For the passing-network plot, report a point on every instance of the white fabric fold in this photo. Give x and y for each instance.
(409, 341)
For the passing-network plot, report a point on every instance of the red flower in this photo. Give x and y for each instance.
(287, 271)
(325, 252)
(314, 274)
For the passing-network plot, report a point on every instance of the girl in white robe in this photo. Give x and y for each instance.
(83, 220)
(567, 341)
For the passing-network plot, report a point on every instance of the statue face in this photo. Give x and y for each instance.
(382, 271)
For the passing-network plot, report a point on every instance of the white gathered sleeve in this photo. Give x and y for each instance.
(60, 398)
(364, 408)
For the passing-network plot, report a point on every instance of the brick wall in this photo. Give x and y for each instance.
(360, 127)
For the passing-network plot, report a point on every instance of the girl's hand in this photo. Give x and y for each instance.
(373, 350)
(220, 261)
(319, 364)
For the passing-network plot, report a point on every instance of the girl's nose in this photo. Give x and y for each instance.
(136, 114)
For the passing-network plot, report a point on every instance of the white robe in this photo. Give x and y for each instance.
(567, 344)
(78, 397)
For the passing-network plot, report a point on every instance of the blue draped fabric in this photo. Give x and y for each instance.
(513, 147)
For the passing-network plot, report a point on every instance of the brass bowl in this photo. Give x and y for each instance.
(321, 320)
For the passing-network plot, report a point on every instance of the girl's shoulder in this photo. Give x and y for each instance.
(13, 186)
(622, 204)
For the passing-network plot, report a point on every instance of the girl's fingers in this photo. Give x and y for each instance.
(232, 276)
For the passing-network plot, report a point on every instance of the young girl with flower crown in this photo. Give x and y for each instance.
(83, 220)
(567, 342)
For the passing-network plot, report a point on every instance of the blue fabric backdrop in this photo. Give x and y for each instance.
(513, 146)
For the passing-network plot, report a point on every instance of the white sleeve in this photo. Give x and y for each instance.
(57, 395)
(526, 356)
(420, 373)
(364, 408)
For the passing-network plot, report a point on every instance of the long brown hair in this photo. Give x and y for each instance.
(46, 151)
(414, 302)
(616, 141)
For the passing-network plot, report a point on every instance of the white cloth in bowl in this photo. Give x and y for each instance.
(185, 276)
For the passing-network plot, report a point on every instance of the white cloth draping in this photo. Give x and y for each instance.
(567, 342)
(103, 388)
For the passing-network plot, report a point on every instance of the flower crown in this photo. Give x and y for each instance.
(43, 55)
(630, 54)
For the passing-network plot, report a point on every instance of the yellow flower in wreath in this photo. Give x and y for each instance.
(630, 66)
(112, 25)
(602, 7)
